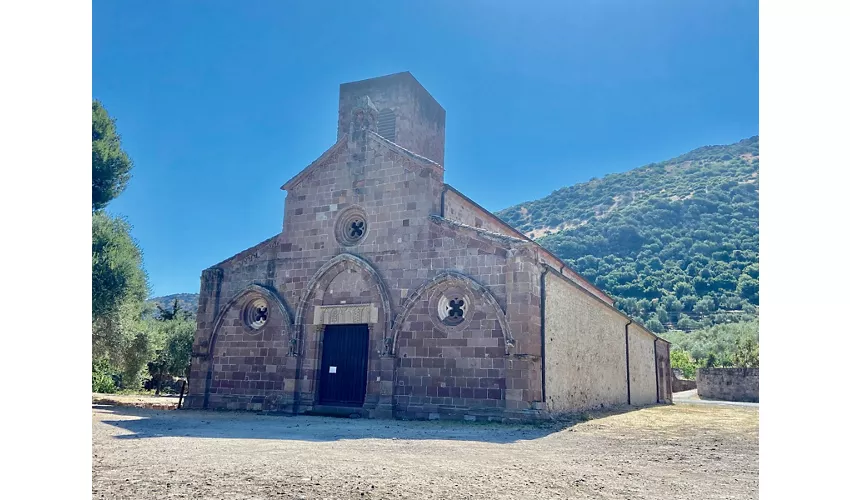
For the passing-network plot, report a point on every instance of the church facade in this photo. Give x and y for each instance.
(389, 293)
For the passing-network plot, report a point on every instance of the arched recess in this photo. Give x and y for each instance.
(459, 279)
(339, 263)
(269, 294)
(273, 299)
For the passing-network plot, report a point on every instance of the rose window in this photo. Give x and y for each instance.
(356, 229)
(351, 226)
(452, 309)
(256, 313)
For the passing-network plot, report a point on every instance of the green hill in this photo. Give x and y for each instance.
(676, 243)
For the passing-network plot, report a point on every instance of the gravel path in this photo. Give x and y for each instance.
(682, 452)
(691, 397)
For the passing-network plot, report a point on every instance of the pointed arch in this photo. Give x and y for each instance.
(340, 261)
(270, 295)
(267, 293)
(456, 278)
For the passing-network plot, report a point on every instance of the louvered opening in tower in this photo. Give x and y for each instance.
(386, 124)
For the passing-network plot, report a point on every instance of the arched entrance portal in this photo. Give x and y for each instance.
(343, 322)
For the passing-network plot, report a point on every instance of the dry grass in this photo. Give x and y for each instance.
(683, 418)
(137, 400)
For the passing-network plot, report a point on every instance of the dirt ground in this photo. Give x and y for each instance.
(673, 452)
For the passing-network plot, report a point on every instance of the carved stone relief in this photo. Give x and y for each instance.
(345, 314)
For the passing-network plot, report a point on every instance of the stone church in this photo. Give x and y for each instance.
(388, 293)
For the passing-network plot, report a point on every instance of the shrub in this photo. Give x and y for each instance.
(102, 379)
(654, 325)
(746, 353)
(683, 361)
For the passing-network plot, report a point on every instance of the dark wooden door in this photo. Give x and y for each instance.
(345, 356)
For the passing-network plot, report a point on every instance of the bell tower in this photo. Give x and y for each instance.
(402, 110)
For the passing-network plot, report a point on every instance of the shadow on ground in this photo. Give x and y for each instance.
(206, 424)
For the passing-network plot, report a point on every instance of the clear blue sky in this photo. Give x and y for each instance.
(219, 103)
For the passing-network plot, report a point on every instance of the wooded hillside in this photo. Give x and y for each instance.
(676, 242)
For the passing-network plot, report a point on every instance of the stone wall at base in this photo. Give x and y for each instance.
(682, 384)
(728, 384)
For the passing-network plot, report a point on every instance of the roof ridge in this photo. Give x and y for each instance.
(306, 170)
(406, 151)
(525, 238)
(492, 234)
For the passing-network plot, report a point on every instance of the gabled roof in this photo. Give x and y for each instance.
(407, 152)
(319, 161)
(612, 307)
(488, 234)
(555, 272)
(247, 252)
(341, 144)
(573, 274)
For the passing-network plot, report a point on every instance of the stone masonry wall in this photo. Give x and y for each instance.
(397, 192)
(459, 208)
(404, 246)
(681, 384)
(248, 365)
(410, 253)
(456, 207)
(665, 373)
(729, 384)
(456, 369)
(585, 350)
(642, 371)
(420, 121)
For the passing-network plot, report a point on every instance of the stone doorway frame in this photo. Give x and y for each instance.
(311, 317)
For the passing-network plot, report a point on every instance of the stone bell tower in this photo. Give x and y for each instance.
(406, 114)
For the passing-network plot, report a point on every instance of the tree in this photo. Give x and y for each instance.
(137, 352)
(748, 288)
(734, 344)
(172, 349)
(654, 325)
(691, 221)
(176, 312)
(110, 164)
(752, 270)
(683, 289)
(122, 341)
(180, 348)
(746, 353)
(683, 361)
(686, 323)
(704, 305)
(117, 272)
(101, 376)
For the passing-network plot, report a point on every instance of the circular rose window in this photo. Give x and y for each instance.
(351, 226)
(256, 313)
(451, 308)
